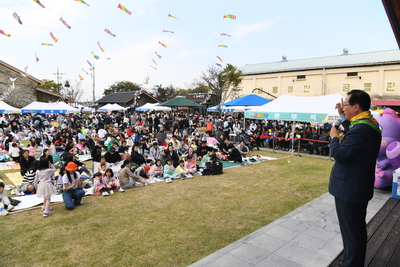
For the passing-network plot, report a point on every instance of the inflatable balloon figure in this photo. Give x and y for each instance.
(389, 153)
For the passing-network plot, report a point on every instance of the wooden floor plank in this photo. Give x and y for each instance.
(380, 216)
(395, 260)
(388, 248)
(377, 240)
(380, 227)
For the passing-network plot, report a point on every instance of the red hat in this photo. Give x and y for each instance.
(71, 166)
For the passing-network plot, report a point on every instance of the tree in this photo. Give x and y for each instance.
(74, 92)
(165, 93)
(223, 83)
(124, 86)
(52, 86)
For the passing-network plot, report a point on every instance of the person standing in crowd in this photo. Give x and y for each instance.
(353, 174)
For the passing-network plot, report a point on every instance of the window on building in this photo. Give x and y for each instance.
(301, 77)
(290, 89)
(352, 74)
(258, 92)
(275, 89)
(306, 88)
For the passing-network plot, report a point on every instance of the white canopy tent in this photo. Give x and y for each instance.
(111, 107)
(295, 108)
(7, 109)
(42, 107)
(152, 106)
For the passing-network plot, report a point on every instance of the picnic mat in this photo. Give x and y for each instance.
(15, 178)
(30, 201)
(227, 164)
(4, 166)
(16, 166)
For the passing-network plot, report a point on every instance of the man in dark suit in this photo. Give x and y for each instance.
(352, 177)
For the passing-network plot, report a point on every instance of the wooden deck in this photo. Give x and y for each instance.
(383, 247)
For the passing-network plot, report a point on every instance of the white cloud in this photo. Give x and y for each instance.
(245, 29)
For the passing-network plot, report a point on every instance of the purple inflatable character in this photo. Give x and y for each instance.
(389, 153)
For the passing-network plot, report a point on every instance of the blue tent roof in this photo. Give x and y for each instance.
(248, 100)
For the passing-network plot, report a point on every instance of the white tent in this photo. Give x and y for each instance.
(7, 109)
(295, 108)
(111, 107)
(152, 106)
(42, 107)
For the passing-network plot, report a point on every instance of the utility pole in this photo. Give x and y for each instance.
(58, 75)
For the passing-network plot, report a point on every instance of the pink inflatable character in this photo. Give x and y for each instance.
(389, 153)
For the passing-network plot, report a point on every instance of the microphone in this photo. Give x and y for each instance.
(337, 123)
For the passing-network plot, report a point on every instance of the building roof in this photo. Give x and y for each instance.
(8, 66)
(330, 62)
(123, 97)
(54, 94)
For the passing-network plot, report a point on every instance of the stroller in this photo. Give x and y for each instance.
(248, 140)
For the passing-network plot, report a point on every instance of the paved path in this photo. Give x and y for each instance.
(300, 238)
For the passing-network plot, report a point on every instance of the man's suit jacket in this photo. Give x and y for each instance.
(353, 174)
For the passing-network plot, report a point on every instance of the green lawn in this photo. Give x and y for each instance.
(164, 224)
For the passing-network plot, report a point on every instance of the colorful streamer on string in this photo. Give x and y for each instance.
(219, 65)
(229, 16)
(98, 43)
(223, 46)
(83, 2)
(2, 32)
(40, 4)
(162, 44)
(17, 18)
(155, 62)
(168, 31)
(53, 37)
(37, 59)
(26, 70)
(81, 78)
(90, 64)
(220, 59)
(169, 15)
(47, 44)
(110, 33)
(120, 6)
(85, 71)
(153, 67)
(158, 55)
(227, 35)
(65, 23)
(95, 56)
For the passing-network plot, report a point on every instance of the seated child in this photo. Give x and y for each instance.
(112, 181)
(4, 200)
(156, 170)
(184, 173)
(169, 171)
(14, 152)
(101, 186)
(190, 165)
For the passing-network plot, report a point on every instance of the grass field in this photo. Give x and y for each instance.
(164, 224)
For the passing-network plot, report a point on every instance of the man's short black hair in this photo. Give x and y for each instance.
(361, 98)
(1, 184)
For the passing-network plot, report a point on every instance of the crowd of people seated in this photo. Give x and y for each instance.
(142, 146)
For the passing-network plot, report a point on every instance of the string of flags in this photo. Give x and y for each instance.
(154, 61)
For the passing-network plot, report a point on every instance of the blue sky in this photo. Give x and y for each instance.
(263, 31)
